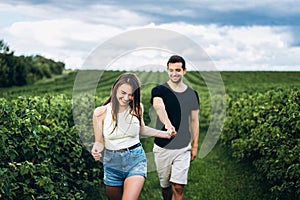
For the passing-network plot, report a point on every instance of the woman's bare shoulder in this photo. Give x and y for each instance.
(100, 111)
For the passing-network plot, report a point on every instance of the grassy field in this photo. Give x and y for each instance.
(216, 176)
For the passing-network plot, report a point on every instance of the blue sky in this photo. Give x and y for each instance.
(236, 35)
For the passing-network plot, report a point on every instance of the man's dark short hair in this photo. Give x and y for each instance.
(176, 59)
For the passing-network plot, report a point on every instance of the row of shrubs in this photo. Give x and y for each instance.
(264, 129)
(45, 156)
(42, 156)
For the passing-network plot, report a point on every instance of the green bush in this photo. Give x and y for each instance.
(42, 156)
(264, 128)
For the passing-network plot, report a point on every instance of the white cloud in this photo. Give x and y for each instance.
(89, 13)
(236, 48)
(243, 48)
(70, 35)
(57, 39)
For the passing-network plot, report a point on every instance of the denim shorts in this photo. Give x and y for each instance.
(119, 165)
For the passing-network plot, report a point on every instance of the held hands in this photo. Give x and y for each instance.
(96, 150)
(171, 131)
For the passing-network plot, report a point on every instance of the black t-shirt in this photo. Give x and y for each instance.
(178, 106)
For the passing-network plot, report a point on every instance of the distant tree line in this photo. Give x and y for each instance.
(23, 70)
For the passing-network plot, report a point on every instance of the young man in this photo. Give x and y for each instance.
(177, 108)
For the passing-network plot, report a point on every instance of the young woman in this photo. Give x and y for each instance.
(117, 125)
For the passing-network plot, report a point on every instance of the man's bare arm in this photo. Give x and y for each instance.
(194, 127)
(160, 109)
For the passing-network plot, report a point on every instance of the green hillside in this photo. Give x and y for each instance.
(233, 81)
(255, 158)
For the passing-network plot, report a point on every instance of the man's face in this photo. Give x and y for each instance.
(175, 72)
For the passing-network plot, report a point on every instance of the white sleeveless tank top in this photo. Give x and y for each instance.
(125, 134)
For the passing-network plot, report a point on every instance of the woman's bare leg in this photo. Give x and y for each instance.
(114, 193)
(132, 187)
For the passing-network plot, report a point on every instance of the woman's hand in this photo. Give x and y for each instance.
(96, 150)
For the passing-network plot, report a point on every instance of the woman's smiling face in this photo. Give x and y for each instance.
(124, 95)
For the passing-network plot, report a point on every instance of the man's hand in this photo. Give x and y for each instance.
(194, 151)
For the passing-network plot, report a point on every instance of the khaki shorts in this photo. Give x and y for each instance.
(172, 165)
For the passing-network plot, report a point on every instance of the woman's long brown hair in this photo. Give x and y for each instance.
(135, 104)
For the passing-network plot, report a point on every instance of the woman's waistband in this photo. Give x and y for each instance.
(126, 149)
